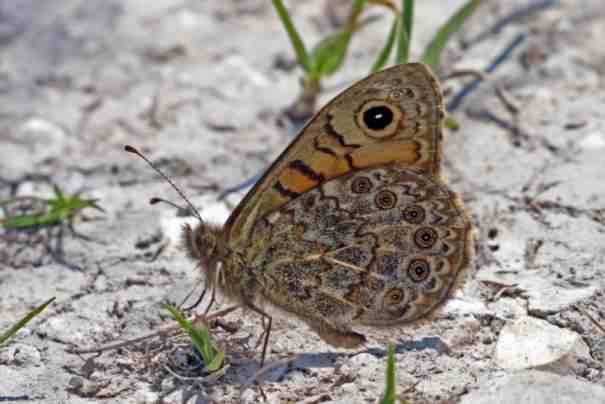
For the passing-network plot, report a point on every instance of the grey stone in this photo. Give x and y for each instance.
(536, 387)
(21, 355)
(529, 342)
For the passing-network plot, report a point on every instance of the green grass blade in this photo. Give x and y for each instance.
(58, 193)
(407, 10)
(200, 337)
(390, 396)
(36, 218)
(358, 6)
(72, 205)
(59, 209)
(24, 221)
(405, 31)
(216, 363)
(299, 47)
(432, 53)
(329, 55)
(14, 329)
(451, 123)
(384, 54)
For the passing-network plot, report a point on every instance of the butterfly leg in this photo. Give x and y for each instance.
(197, 302)
(222, 313)
(266, 331)
(260, 339)
(212, 299)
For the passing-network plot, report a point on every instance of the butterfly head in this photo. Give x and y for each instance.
(203, 244)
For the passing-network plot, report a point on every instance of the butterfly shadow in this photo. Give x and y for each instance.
(434, 343)
(277, 370)
(247, 374)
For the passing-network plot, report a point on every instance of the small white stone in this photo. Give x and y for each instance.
(242, 65)
(21, 355)
(506, 307)
(348, 388)
(593, 141)
(366, 366)
(248, 396)
(460, 307)
(188, 19)
(23, 333)
(551, 298)
(529, 342)
(145, 395)
(42, 130)
(536, 387)
(167, 384)
(59, 328)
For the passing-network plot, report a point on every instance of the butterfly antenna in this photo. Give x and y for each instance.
(132, 150)
(155, 200)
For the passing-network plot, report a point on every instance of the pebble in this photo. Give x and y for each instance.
(536, 387)
(507, 307)
(529, 342)
(21, 355)
(593, 141)
(459, 306)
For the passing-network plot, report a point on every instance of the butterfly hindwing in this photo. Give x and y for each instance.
(380, 246)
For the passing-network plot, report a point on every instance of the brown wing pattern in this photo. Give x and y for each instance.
(381, 246)
(393, 116)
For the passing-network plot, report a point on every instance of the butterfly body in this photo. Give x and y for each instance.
(352, 224)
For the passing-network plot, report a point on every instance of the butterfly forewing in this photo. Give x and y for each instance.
(393, 116)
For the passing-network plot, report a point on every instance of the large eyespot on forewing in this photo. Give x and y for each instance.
(379, 119)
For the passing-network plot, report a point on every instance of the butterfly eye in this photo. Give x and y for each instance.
(419, 270)
(394, 296)
(385, 199)
(413, 214)
(361, 185)
(379, 119)
(425, 237)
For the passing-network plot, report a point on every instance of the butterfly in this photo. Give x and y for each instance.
(353, 223)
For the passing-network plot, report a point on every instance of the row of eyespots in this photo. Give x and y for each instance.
(384, 199)
(418, 271)
(425, 237)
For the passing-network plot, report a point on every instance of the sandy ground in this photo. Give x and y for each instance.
(199, 86)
